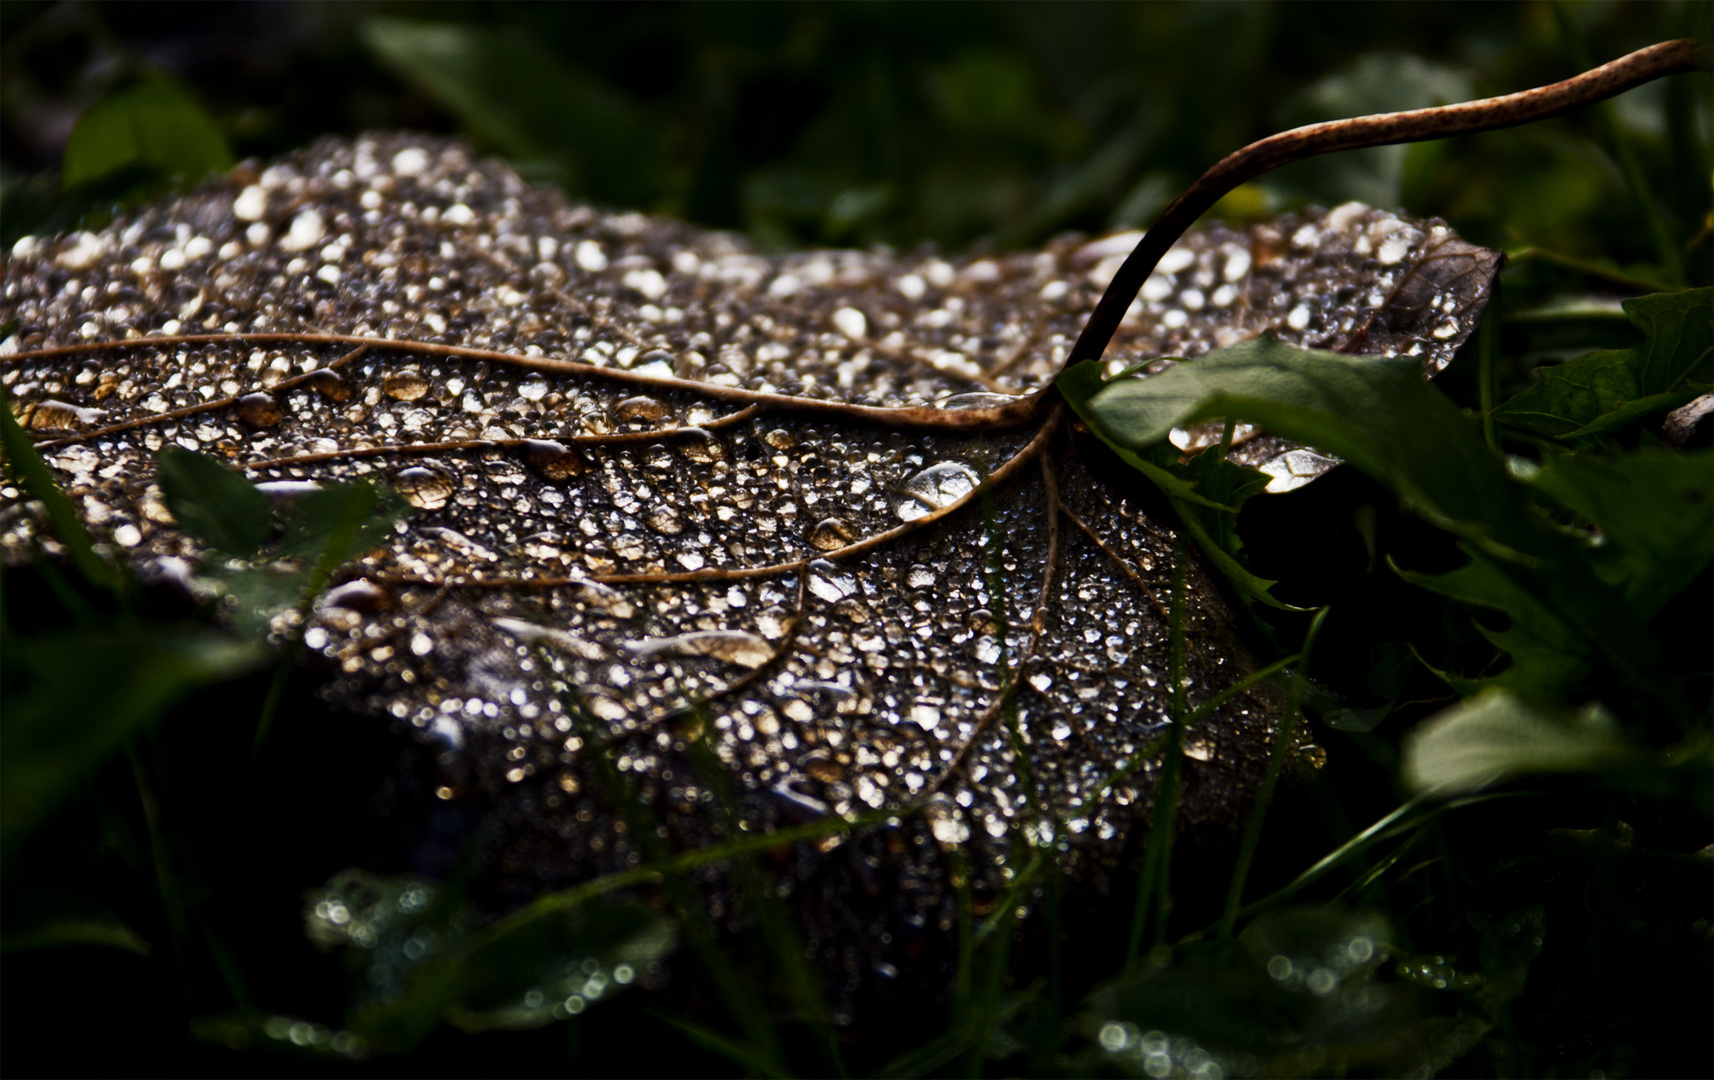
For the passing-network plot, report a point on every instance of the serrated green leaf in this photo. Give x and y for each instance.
(1655, 511)
(1207, 492)
(213, 503)
(1606, 390)
(1547, 654)
(1498, 734)
(150, 131)
(1383, 418)
(1380, 415)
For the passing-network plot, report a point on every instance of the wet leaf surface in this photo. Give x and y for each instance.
(668, 493)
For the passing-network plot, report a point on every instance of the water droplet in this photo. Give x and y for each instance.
(780, 439)
(1313, 756)
(360, 595)
(533, 388)
(406, 384)
(830, 534)
(260, 410)
(824, 770)
(424, 487)
(935, 488)
(700, 446)
(982, 621)
(979, 400)
(639, 412)
(919, 577)
(605, 598)
(552, 460)
(827, 582)
(655, 362)
(733, 646)
(329, 384)
(53, 415)
(665, 520)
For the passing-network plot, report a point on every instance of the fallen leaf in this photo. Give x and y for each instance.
(819, 510)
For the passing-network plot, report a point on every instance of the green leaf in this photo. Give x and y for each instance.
(336, 524)
(151, 131)
(1655, 511)
(213, 503)
(418, 965)
(73, 698)
(1385, 419)
(1606, 390)
(1498, 734)
(1547, 653)
(513, 93)
(1207, 492)
(1380, 415)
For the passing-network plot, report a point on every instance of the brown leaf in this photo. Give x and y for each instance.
(668, 488)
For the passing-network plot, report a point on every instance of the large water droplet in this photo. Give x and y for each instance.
(665, 520)
(828, 582)
(53, 415)
(639, 412)
(935, 488)
(533, 388)
(780, 439)
(259, 410)
(605, 598)
(424, 487)
(329, 384)
(978, 400)
(733, 646)
(830, 534)
(406, 384)
(552, 460)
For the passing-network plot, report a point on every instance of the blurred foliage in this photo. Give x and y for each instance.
(1548, 620)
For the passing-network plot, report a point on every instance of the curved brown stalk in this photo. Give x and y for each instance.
(1021, 410)
(1381, 129)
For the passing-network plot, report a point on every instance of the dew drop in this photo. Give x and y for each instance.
(53, 415)
(1313, 756)
(329, 384)
(824, 770)
(700, 446)
(552, 460)
(533, 388)
(639, 412)
(978, 400)
(780, 439)
(732, 646)
(827, 582)
(423, 487)
(665, 520)
(260, 410)
(935, 488)
(830, 534)
(406, 384)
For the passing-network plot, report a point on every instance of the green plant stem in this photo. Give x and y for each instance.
(1488, 366)
(1284, 741)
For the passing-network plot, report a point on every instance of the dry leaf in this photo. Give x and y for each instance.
(668, 488)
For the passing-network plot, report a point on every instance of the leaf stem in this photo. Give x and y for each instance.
(1382, 129)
